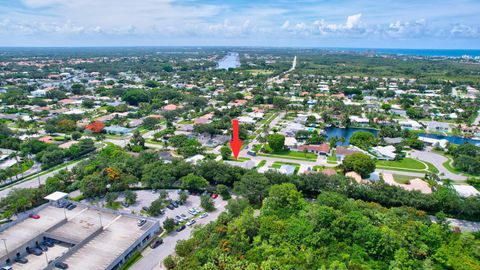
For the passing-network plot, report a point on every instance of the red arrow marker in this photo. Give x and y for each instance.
(235, 143)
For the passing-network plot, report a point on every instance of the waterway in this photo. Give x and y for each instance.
(231, 60)
(450, 139)
(348, 132)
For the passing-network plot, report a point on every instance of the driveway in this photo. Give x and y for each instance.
(437, 160)
(153, 258)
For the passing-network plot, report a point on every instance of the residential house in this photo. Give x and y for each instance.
(342, 152)
(322, 149)
(438, 127)
(384, 152)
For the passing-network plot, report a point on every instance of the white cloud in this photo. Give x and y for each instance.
(353, 20)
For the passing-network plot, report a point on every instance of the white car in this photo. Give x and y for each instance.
(191, 222)
(204, 215)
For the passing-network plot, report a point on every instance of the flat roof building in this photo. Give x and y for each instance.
(87, 237)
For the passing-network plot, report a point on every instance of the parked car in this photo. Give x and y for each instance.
(61, 265)
(191, 222)
(178, 218)
(252, 153)
(170, 207)
(176, 222)
(47, 243)
(145, 208)
(34, 216)
(181, 228)
(141, 222)
(178, 202)
(192, 212)
(214, 196)
(21, 260)
(156, 243)
(174, 204)
(204, 215)
(35, 251)
(71, 206)
(6, 267)
(125, 204)
(42, 247)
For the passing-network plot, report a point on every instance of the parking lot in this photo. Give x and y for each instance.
(40, 262)
(146, 197)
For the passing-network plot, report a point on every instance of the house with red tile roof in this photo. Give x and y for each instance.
(170, 107)
(321, 149)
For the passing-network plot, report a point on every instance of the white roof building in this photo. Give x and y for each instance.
(385, 152)
(466, 190)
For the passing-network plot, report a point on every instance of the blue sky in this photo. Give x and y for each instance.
(308, 23)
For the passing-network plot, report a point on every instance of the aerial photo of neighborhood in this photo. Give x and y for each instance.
(238, 156)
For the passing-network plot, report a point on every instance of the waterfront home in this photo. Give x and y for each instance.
(384, 152)
(438, 127)
(342, 152)
(442, 143)
(410, 125)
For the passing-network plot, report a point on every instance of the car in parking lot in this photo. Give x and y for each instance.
(170, 206)
(181, 228)
(42, 247)
(193, 211)
(214, 196)
(71, 206)
(191, 222)
(6, 267)
(156, 243)
(21, 260)
(204, 215)
(183, 216)
(125, 204)
(35, 251)
(48, 243)
(61, 265)
(141, 222)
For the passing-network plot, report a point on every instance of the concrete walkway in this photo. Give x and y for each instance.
(437, 160)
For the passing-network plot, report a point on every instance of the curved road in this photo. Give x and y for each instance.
(437, 160)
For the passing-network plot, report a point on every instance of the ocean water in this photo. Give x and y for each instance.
(417, 52)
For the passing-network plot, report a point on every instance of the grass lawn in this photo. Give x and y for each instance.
(293, 155)
(114, 205)
(332, 159)
(285, 157)
(261, 163)
(406, 163)
(402, 179)
(185, 122)
(240, 159)
(131, 261)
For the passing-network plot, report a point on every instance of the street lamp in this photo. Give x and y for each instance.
(46, 257)
(100, 216)
(6, 250)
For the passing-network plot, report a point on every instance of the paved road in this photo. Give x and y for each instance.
(437, 160)
(153, 258)
(33, 182)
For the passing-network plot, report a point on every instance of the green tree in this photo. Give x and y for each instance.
(226, 152)
(183, 197)
(223, 191)
(253, 186)
(207, 203)
(130, 196)
(276, 142)
(363, 139)
(111, 197)
(283, 200)
(359, 163)
(168, 224)
(193, 182)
